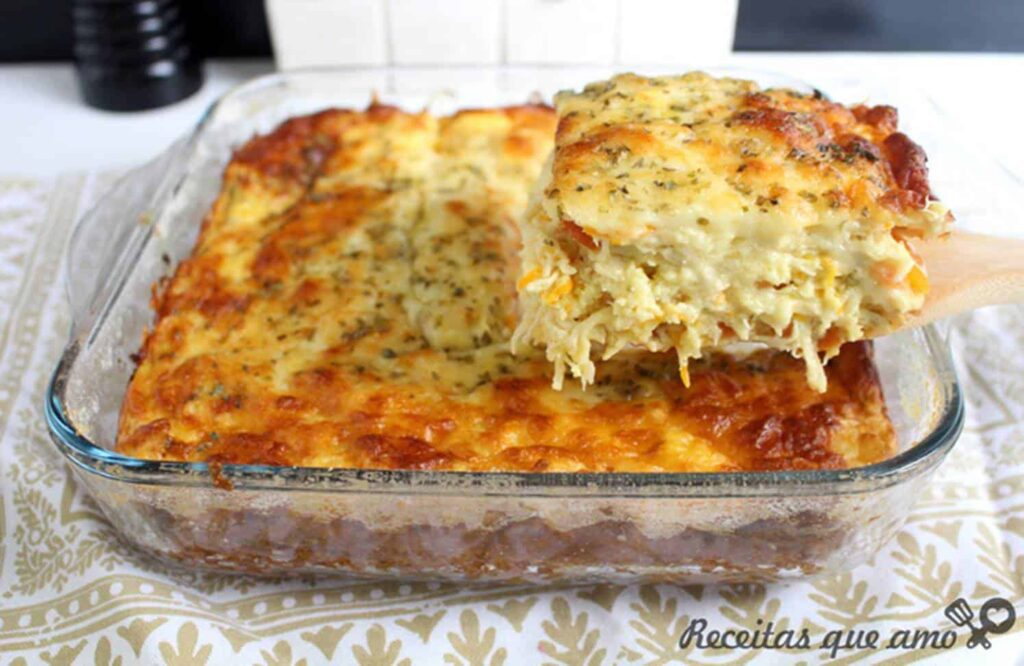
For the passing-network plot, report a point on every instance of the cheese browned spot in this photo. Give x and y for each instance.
(350, 300)
(686, 212)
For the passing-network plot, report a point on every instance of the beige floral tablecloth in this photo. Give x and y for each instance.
(71, 593)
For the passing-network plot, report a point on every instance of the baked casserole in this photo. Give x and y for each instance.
(690, 212)
(350, 302)
(427, 523)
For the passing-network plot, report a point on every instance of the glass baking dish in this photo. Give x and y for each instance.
(441, 525)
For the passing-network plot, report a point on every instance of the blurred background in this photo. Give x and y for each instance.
(513, 31)
(80, 65)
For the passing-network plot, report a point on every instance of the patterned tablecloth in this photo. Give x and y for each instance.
(71, 592)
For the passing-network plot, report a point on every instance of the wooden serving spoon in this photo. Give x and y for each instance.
(968, 271)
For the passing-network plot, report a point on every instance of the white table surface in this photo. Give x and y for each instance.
(45, 128)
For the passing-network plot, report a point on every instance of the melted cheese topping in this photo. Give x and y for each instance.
(350, 300)
(690, 212)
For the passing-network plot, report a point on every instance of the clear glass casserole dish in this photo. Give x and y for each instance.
(448, 525)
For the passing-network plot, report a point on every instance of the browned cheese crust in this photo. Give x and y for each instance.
(349, 303)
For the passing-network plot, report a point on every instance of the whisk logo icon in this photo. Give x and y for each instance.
(996, 616)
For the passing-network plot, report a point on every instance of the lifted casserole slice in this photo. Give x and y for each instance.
(690, 212)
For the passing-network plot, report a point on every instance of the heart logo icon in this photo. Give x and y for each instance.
(997, 615)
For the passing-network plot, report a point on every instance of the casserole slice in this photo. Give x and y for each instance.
(690, 212)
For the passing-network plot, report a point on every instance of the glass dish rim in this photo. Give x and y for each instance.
(110, 464)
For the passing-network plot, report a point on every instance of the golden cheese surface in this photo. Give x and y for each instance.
(688, 212)
(350, 300)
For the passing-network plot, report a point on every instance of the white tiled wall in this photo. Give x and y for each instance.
(563, 31)
(667, 31)
(421, 32)
(443, 31)
(328, 32)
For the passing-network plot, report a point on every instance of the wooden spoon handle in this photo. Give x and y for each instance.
(968, 271)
